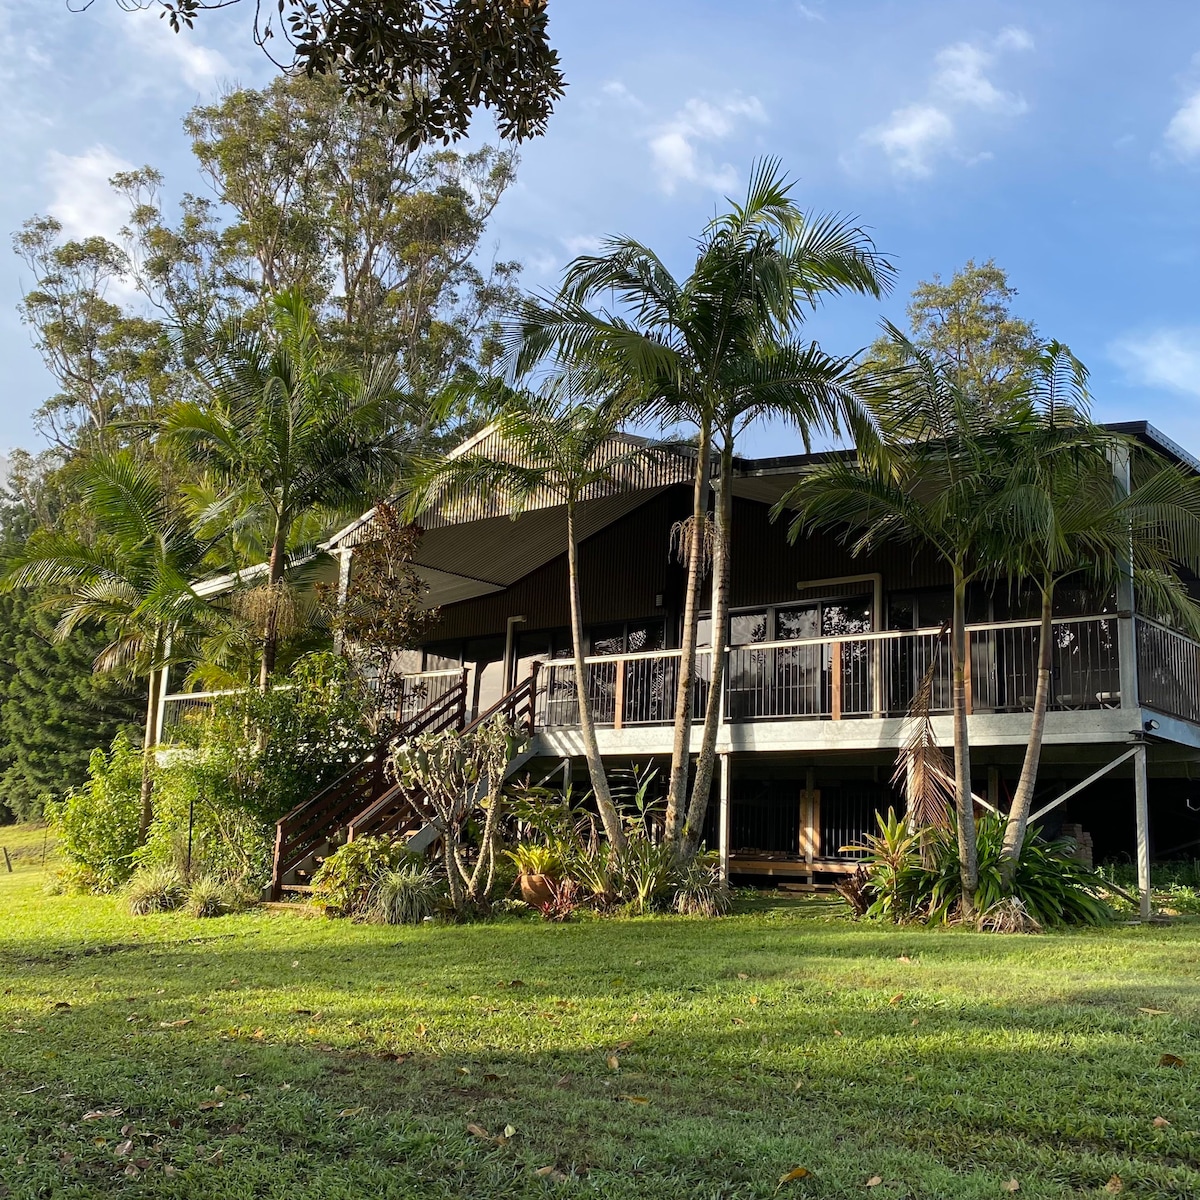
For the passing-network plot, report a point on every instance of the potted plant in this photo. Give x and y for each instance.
(539, 868)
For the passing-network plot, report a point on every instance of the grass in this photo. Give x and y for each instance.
(269, 1055)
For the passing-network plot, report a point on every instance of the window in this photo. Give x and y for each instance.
(627, 637)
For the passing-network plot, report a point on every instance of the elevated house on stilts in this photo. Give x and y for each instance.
(824, 651)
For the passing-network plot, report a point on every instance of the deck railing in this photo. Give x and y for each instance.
(862, 675)
(1168, 670)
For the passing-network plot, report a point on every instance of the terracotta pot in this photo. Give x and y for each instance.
(537, 889)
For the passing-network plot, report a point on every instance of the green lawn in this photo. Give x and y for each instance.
(270, 1055)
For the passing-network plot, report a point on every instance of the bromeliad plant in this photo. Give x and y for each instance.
(914, 876)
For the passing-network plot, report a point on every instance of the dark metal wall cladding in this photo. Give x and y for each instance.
(622, 569)
(626, 565)
(767, 568)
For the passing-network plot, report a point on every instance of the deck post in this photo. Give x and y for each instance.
(1142, 804)
(1127, 658)
(723, 834)
(619, 695)
(835, 681)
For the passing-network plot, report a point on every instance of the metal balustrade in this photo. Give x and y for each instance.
(863, 675)
(1168, 670)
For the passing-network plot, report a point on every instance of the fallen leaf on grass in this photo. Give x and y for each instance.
(621, 1046)
(350, 1112)
(302, 1012)
(175, 1024)
(62, 1004)
(1154, 1012)
(896, 998)
(510, 1131)
(875, 1181)
(738, 1021)
(743, 975)
(41, 1087)
(1171, 1060)
(209, 1105)
(124, 1148)
(1114, 1185)
(904, 959)
(492, 1077)
(478, 1131)
(794, 1174)
(552, 1173)
(100, 1114)
(463, 1070)
(1011, 1186)
(1161, 1123)
(421, 1030)
(634, 1099)
(215, 1160)
(614, 1062)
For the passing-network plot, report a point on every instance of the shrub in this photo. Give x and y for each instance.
(645, 874)
(344, 885)
(207, 897)
(405, 895)
(155, 890)
(699, 888)
(598, 872)
(98, 823)
(916, 877)
(564, 900)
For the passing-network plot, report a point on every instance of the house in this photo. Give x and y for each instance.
(824, 652)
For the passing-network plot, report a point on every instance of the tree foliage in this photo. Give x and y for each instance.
(967, 324)
(434, 62)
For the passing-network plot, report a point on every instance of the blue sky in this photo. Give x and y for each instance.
(1062, 140)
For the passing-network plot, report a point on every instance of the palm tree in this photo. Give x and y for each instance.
(717, 350)
(934, 482)
(134, 578)
(1064, 515)
(548, 448)
(289, 429)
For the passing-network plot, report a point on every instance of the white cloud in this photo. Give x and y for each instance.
(81, 198)
(809, 14)
(582, 243)
(1163, 358)
(197, 64)
(912, 138)
(1014, 38)
(1183, 133)
(616, 90)
(676, 145)
(915, 135)
(960, 79)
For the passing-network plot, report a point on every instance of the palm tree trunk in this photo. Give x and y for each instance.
(968, 857)
(685, 681)
(1018, 813)
(148, 741)
(275, 569)
(693, 828)
(604, 803)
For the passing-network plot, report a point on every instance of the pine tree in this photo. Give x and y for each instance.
(53, 710)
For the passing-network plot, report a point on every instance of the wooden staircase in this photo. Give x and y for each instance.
(362, 802)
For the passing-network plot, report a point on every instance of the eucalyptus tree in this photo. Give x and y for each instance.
(547, 447)
(132, 578)
(719, 350)
(935, 483)
(1064, 515)
(288, 429)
